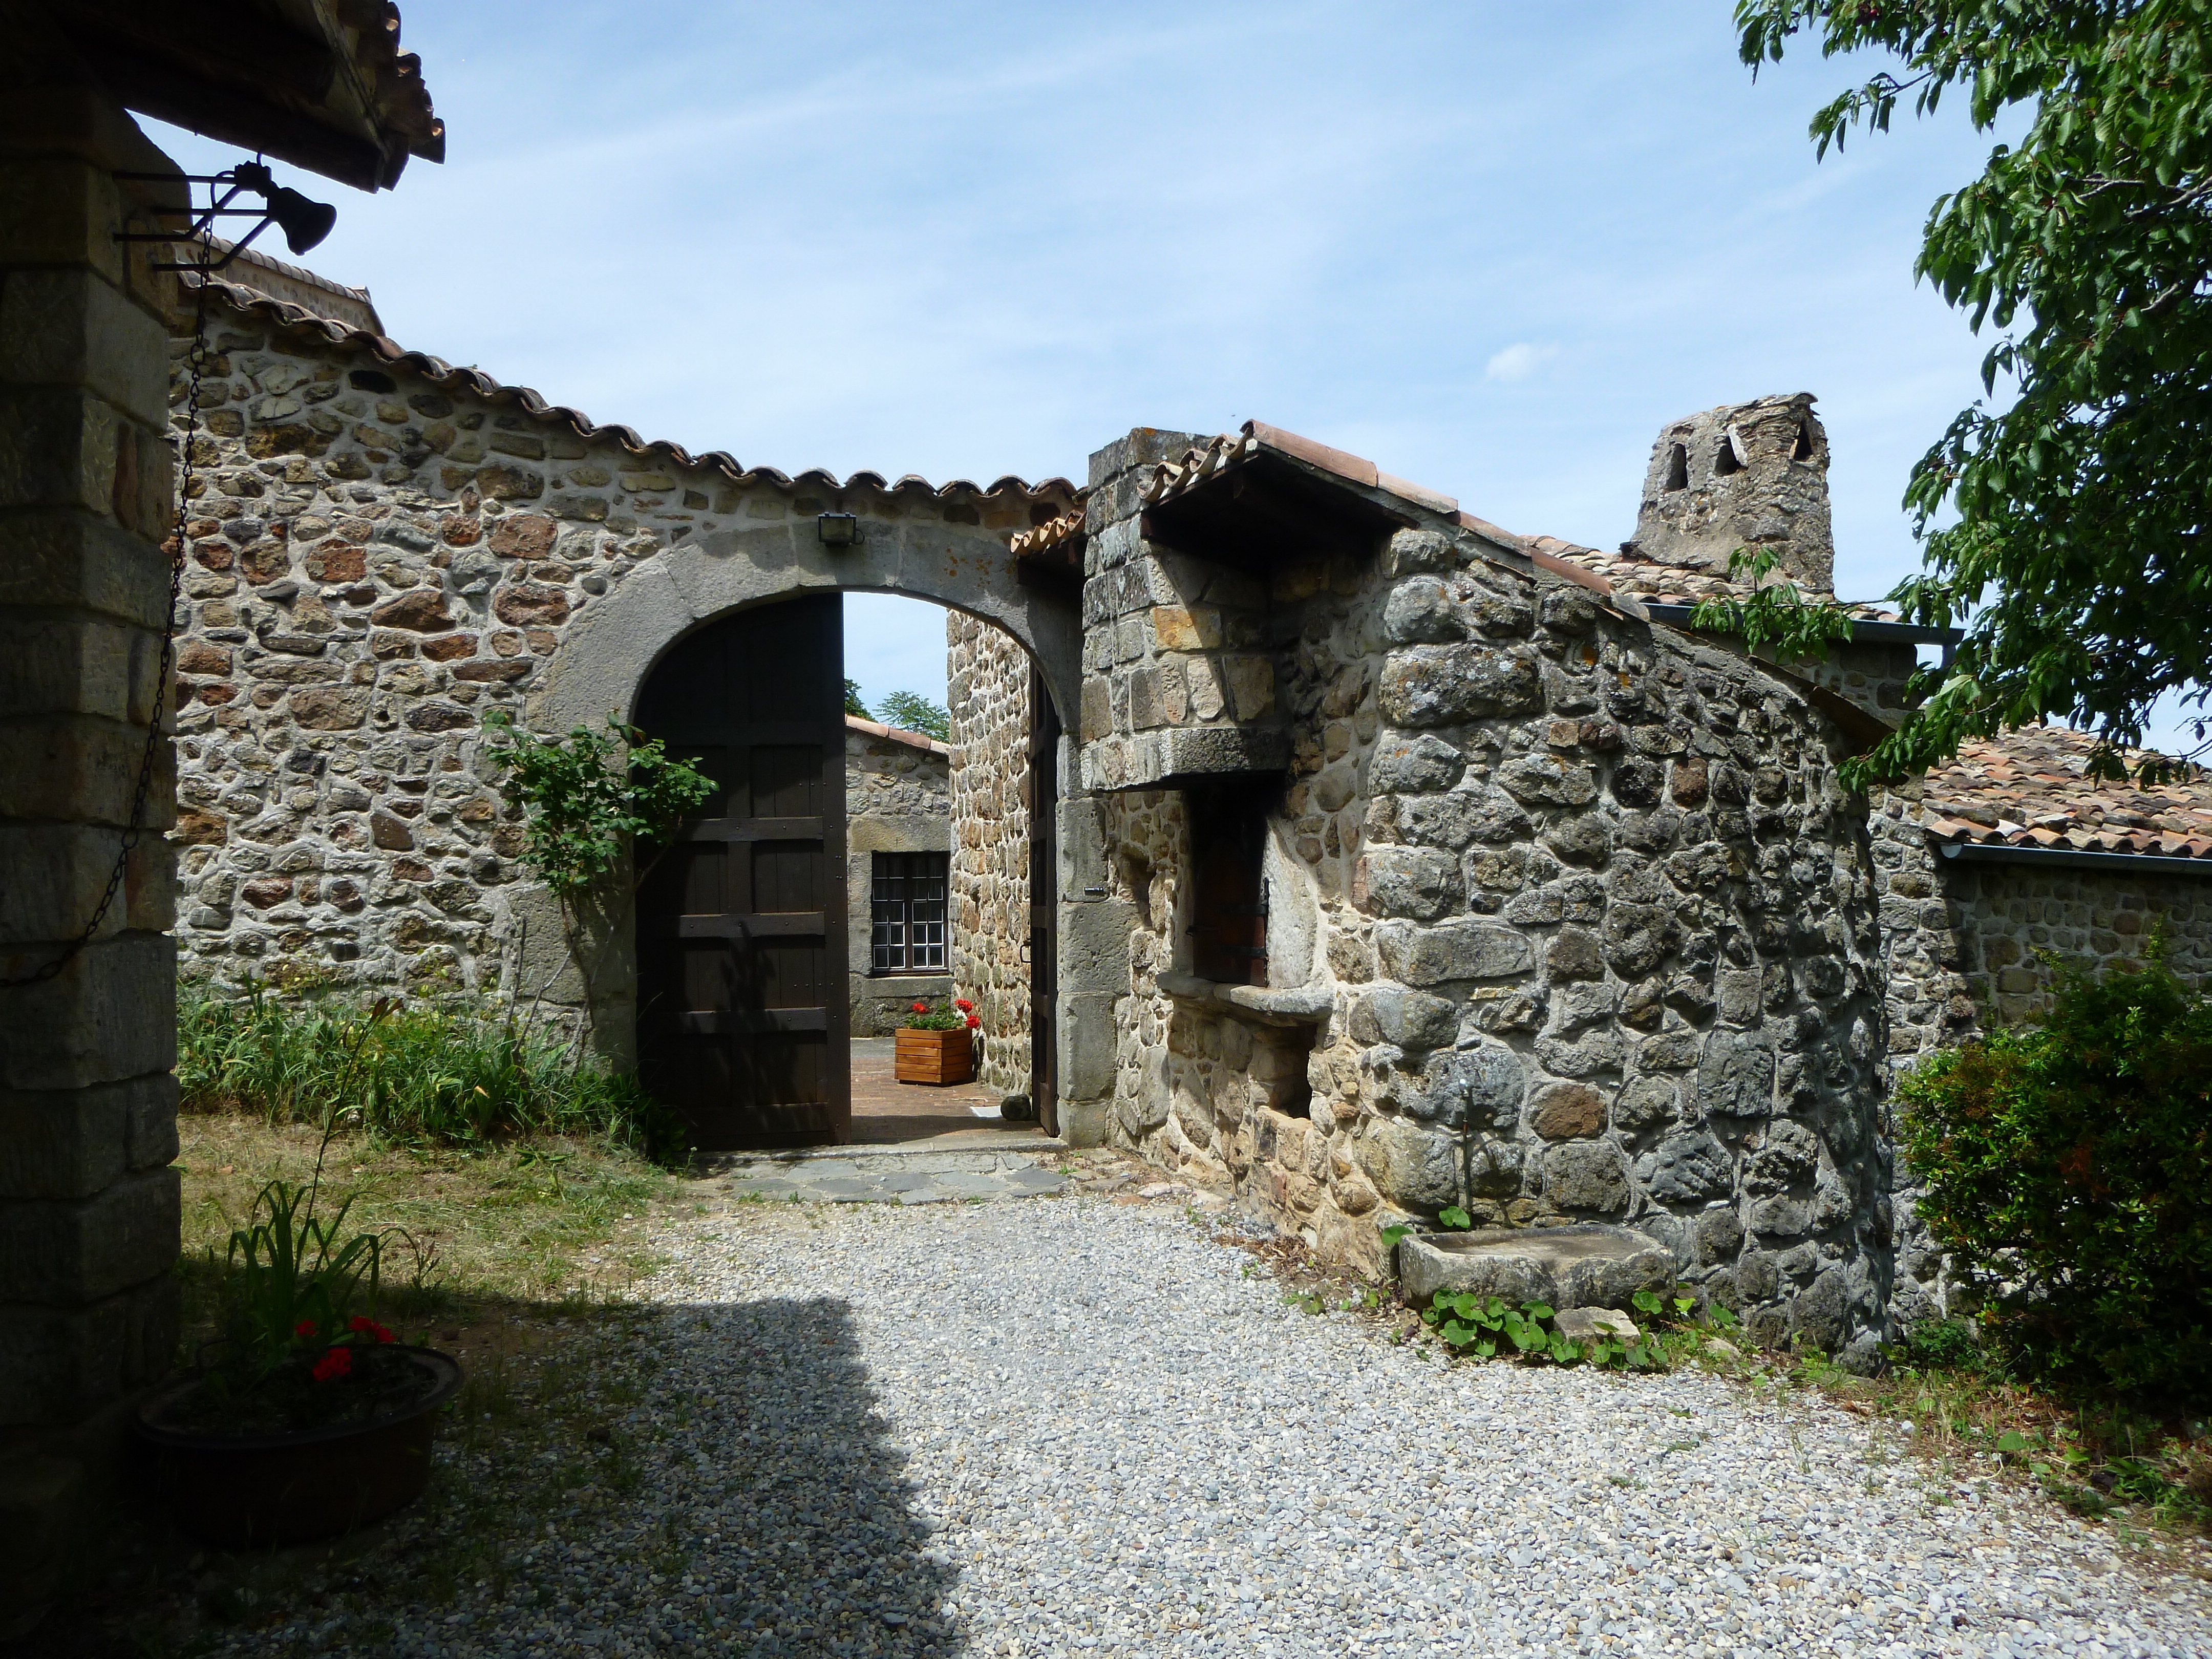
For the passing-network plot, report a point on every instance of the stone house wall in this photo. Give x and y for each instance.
(389, 550)
(1570, 918)
(987, 694)
(897, 799)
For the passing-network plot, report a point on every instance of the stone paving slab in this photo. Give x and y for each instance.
(893, 1177)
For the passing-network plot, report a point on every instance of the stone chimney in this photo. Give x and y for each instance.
(1746, 475)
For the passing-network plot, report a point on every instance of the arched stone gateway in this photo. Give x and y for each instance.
(391, 547)
(606, 659)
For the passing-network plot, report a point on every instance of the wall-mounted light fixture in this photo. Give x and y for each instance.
(838, 529)
(304, 223)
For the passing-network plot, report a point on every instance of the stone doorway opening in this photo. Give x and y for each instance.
(847, 869)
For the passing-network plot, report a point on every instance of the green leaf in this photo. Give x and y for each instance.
(1647, 1301)
(2012, 1440)
(1454, 1218)
(1538, 1310)
(1392, 1234)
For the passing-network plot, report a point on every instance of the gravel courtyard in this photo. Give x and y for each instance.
(1074, 1426)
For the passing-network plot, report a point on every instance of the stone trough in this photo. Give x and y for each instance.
(1586, 1265)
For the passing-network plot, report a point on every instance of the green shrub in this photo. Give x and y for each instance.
(438, 1070)
(2069, 1167)
(1942, 1344)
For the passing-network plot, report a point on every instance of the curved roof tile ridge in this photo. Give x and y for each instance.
(299, 319)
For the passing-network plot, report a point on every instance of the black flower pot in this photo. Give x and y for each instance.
(263, 1490)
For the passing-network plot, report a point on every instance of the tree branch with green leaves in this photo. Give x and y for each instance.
(2067, 534)
(587, 796)
(1772, 615)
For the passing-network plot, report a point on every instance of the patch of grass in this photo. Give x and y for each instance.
(557, 1220)
(1968, 1412)
(443, 1070)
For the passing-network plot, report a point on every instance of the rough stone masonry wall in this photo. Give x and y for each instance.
(1597, 923)
(1960, 942)
(88, 1200)
(382, 561)
(897, 799)
(987, 694)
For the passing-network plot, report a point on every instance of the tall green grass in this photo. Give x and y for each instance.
(436, 1069)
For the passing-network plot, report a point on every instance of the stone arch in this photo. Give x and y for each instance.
(605, 659)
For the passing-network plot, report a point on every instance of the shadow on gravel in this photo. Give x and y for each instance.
(732, 1452)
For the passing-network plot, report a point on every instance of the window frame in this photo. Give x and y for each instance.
(892, 879)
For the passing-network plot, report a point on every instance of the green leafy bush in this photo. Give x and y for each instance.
(2069, 1167)
(440, 1069)
(586, 796)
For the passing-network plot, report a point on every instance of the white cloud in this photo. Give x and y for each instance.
(1518, 362)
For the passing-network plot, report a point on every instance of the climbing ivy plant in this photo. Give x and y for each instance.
(586, 796)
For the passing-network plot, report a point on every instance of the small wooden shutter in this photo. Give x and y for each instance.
(1228, 907)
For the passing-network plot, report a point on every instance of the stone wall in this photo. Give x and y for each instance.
(88, 1200)
(392, 549)
(1960, 945)
(897, 799)
(987, 694)
(1571, 919)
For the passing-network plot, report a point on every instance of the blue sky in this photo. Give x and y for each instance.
(1494, 248)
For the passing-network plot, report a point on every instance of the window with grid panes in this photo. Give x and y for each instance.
(906, 913)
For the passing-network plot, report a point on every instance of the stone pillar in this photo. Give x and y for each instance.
(88, 1200)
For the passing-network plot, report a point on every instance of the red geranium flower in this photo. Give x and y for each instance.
(964, 1005)
(368, 1326)
(305, 1328)
(922, 1007)
(973, 1022)
(335, 1364)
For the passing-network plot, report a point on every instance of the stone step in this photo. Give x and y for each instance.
(890, 1175)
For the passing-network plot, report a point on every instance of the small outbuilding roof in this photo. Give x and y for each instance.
(2029, 789)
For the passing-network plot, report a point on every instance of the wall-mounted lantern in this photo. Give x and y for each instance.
(304, 223)
(838, 529)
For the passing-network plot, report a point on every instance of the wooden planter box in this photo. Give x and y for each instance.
(933, 1057)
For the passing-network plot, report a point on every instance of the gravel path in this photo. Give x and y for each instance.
(1073, 1427)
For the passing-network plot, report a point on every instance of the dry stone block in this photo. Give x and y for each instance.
(422, 608)
(1443, 685)
(1414, 1168)
(1566, 1111)
(1453, 950)
(1587, 1175)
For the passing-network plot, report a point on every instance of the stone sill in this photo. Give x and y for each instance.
(1306, 1005)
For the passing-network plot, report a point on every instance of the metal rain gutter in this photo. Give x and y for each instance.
(1976, 852)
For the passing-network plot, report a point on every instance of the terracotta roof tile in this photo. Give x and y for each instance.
(896, 734)
(1051, 534)
(1656, 583)
(475, 383)
(1172, 477)
(2027, 789)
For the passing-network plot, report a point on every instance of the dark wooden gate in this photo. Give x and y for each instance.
(742, 996)
(1044, 903)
